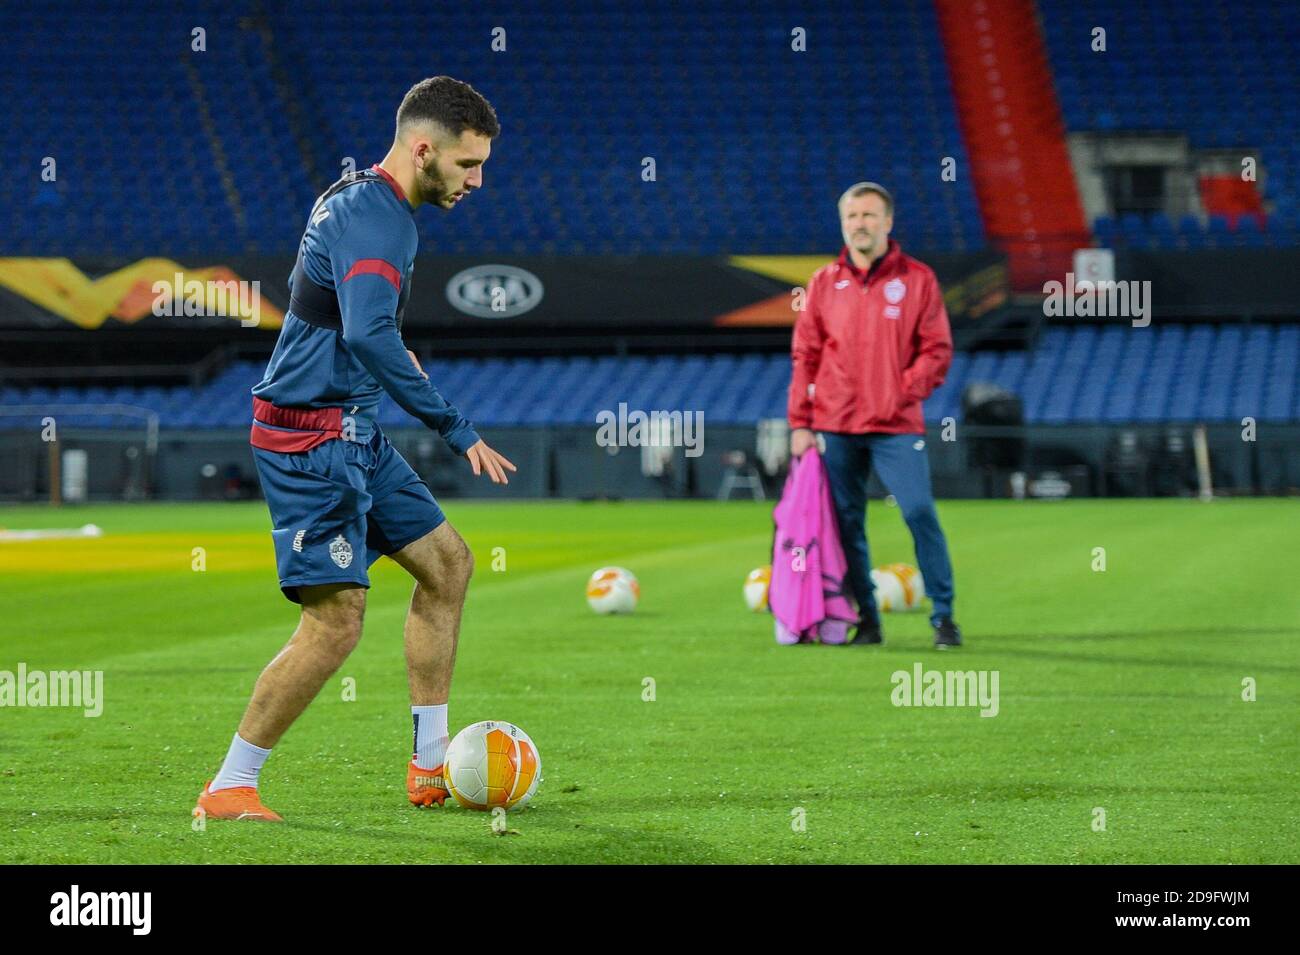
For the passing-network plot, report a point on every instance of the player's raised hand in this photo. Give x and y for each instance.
(482, 458)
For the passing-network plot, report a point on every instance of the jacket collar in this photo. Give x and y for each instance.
(890, 262)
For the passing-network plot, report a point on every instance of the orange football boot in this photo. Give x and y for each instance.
(425, 786)
(237, 802)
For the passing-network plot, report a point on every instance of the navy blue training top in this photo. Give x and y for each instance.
(361, 242)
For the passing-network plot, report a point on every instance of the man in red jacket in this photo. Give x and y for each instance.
(871, 343)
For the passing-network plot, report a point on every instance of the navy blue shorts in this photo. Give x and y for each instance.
(340, 501)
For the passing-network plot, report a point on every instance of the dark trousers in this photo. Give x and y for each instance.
(903, 467)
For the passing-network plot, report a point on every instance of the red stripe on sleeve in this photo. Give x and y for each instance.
(376, 267)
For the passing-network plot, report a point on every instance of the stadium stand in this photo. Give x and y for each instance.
(1226, 74)
(1011, 124)
(1177, 373)
(723, 183)
(749, 154)
(249, 164)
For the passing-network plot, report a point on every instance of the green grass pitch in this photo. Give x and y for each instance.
(1120, 690)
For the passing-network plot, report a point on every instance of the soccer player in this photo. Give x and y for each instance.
(870, 345)
(339, 493)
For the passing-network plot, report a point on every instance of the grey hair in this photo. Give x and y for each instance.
(864, 188)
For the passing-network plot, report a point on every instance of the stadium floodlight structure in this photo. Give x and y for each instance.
(29, 431)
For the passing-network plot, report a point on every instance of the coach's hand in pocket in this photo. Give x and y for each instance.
(482, 458)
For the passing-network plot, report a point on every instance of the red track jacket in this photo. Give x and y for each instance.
(869, 347)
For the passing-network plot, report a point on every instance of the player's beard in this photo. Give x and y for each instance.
(433, 187)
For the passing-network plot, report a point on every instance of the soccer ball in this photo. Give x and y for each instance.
(756, 588)
(613, 590)
(492, 764)
(898, 587)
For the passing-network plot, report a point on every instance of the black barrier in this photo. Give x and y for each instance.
(565, 461)
(612, 293)
(615, 294)
(1216, 283)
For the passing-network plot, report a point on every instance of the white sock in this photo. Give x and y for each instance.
(243, 763)
(430, 735)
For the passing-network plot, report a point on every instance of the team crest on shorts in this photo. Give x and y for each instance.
(340, 551)
(894, 291)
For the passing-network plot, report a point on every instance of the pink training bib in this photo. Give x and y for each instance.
(806, 593)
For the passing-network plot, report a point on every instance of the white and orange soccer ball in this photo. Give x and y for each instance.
(492, 764)
(756, 584)
(613, 590)
(898, 587)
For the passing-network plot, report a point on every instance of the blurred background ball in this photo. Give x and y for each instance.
(613, 590)
(898, 587)
(756, 584)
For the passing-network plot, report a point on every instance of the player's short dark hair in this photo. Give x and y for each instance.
(868, 188)
(453, 105)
